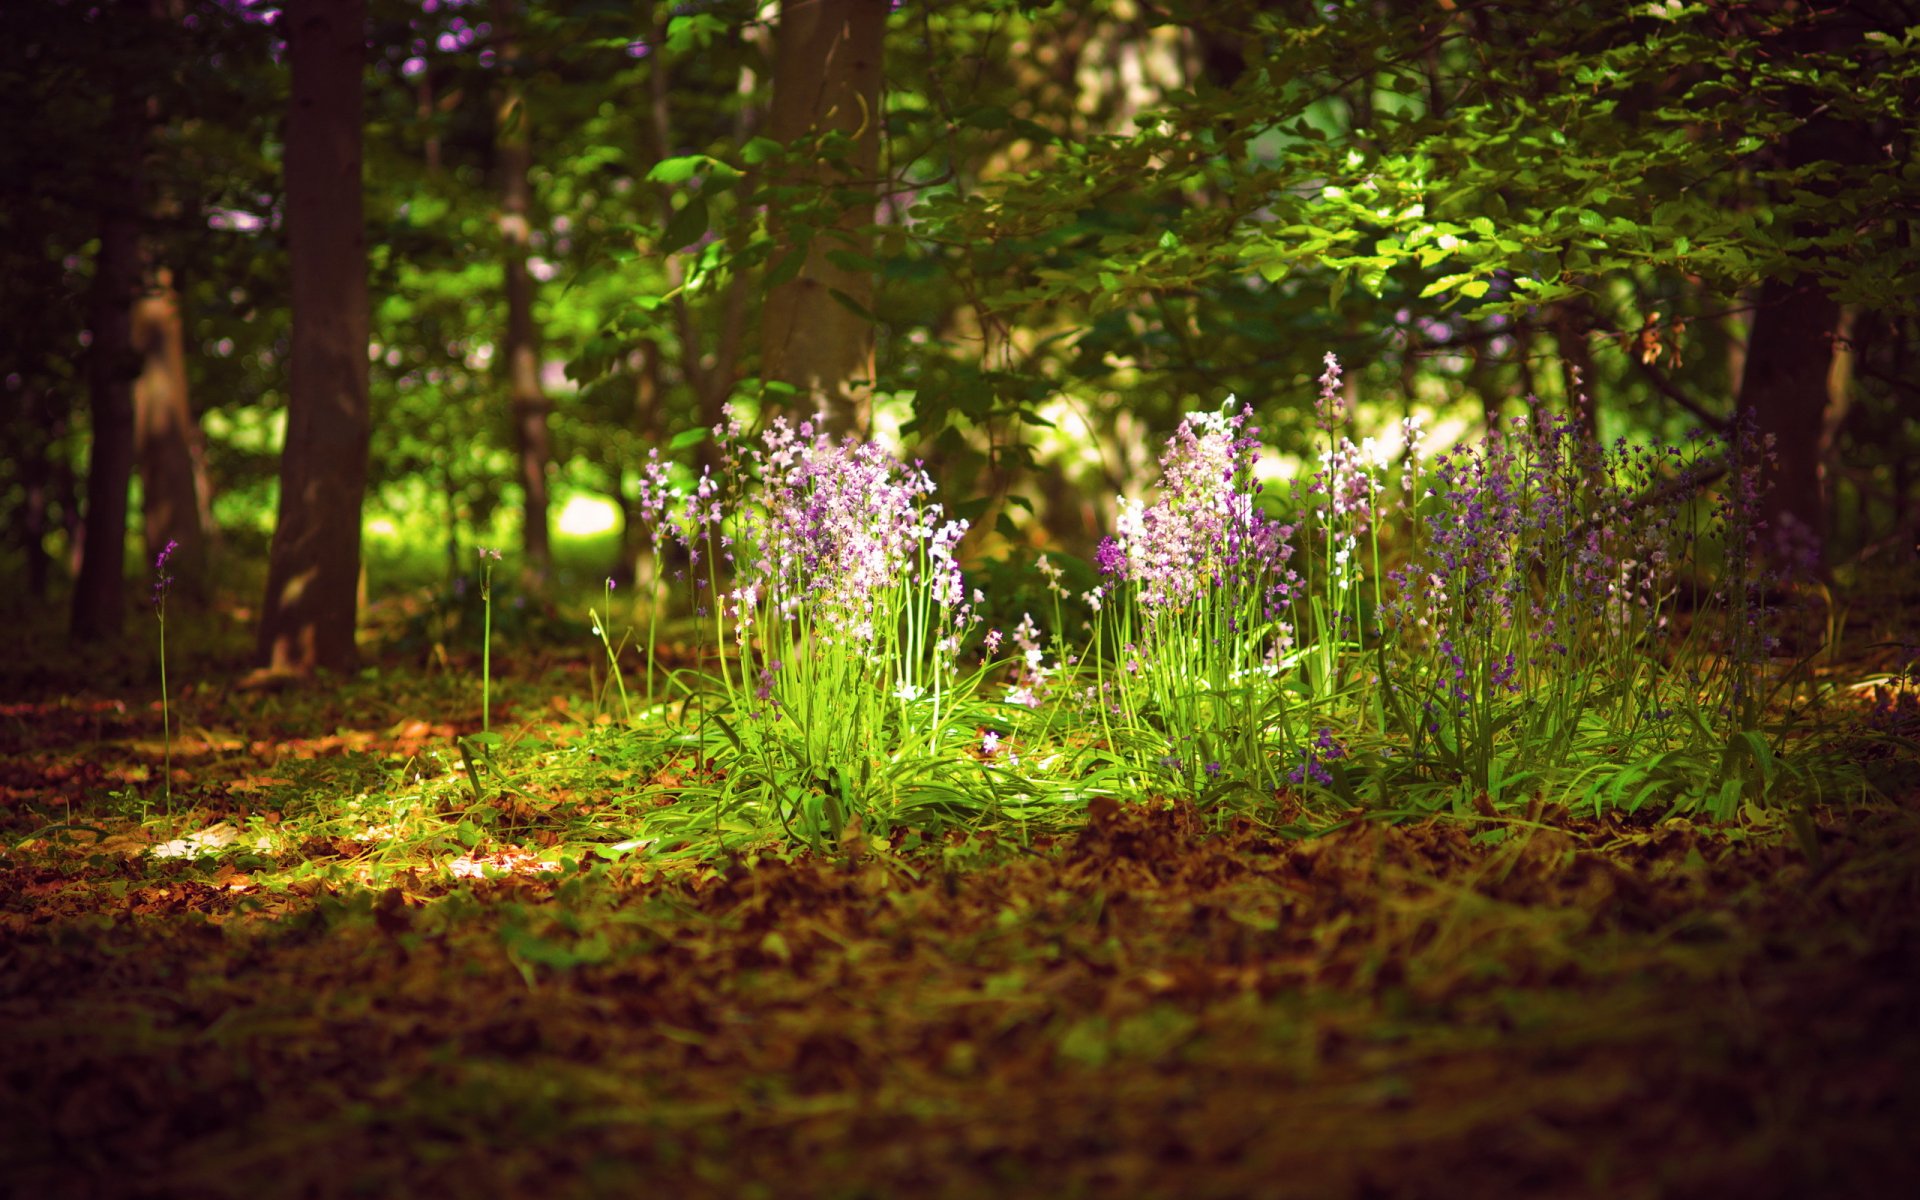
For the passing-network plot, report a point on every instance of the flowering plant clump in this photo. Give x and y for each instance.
(1344, 505)
(1521, 626)
(1476, 620)
(1540, 568)
(826, 575)
(1196, 606)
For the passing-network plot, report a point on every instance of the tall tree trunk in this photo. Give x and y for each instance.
(308, 616)
(1784, 392)
(38, 483)
(1789, 379)
(710, 374)
(173, 476)
(99, 594)
(826, 79)
(522, 355)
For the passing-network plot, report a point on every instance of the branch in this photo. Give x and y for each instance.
(1665, 385)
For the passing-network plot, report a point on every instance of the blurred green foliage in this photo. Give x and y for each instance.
(1091, 218)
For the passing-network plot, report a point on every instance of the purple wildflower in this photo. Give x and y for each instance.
(163, 582)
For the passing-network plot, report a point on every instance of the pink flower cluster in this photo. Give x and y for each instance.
(1206, 531)
(817, 529)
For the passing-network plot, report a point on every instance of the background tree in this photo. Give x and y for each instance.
(521, 350)
(817, 325)
(175, 497)
(99, 593)
(313, 570)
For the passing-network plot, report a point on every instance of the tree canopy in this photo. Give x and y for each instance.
(1051, 228)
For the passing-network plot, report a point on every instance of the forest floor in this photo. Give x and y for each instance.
(1614, 1006)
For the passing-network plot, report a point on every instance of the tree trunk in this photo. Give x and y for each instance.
(99, 594)
(1789, 379)
(826, 79)
(173, 476)
(37, 483)
(710, 374)
(1572, 322)
(1784, 392)
(522, 351)
(308, 616)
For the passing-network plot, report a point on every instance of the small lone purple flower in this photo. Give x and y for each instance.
(163, 582)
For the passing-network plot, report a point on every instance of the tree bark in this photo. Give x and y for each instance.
(528, 399)
(1783, 391)
(826, 79)
(1573, 323)
(1789, 379)
(99, 594)
(308, 617)
(173, 477)
(39, 483)
(710, 374)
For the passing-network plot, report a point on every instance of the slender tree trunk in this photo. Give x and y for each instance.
(99, 594)
(37, 486)
(173, 477)
(710, 375)
(815, 334)
(309, 614)
(530, 406)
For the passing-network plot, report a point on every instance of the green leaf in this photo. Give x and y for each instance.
(847, 260)
(1482, 226)
(688, 437)
(693, 32)
(761, 149)
(787, 268)
(687, 226)
(984, 116)
(849, 303)
(1445, 283)
(675, 170)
